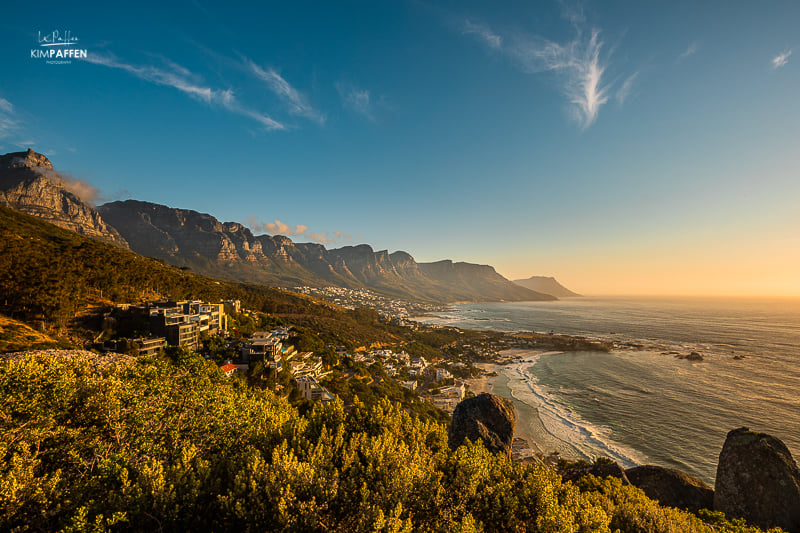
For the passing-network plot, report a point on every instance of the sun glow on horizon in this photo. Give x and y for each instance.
(766, 268)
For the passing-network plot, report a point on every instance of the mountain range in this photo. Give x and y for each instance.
(229, 250)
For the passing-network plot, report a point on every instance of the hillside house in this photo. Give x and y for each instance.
(312, 390)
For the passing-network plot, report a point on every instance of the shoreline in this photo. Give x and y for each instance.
(526, 443)
(532, 437)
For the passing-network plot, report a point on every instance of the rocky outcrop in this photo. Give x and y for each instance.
(486, 417)
(29, 183)
(758, 480)
(692, 356)
(672, 488)
(166, 233)
(598, 470)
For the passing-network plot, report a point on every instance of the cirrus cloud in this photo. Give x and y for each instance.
(579, 64)
(180, 78)
(780, 60)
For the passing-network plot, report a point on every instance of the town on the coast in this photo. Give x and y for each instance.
(240, 342)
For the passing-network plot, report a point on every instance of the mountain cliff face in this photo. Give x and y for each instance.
(28, 183)
(187, 238)
(229, 250)
(547, 285)
(465, 279)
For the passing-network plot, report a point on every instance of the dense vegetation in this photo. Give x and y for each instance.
(173, 445)
(49, 275)
(164, 445)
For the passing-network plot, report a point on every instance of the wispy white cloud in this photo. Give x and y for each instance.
(300, 230)
(326, 238)
(491, 39)
(690, 51)
(625, 89)
(5, 106)
(780, 60)
(180, 78)
(275, 228)
(80, 188)
(9, 122)
(7, 125)
(573, 12)
(296, 101)
(578, 63)
(355, 99)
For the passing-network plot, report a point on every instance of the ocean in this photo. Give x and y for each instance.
(644, 405)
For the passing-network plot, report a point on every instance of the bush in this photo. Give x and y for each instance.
(170, 444)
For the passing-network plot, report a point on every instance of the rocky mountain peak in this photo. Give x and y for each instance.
(29, 183)
(29, 159)
(401, 257)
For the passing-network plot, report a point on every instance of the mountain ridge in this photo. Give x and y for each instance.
(229, 250)
(546, 285)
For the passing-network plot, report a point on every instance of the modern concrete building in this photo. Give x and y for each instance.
(151, 345)
(312, 390)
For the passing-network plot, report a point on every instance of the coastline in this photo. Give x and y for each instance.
(485, 382)
(527, 441)
(532, 437)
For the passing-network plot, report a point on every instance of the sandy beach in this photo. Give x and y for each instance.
(483, 383)
(525, 440)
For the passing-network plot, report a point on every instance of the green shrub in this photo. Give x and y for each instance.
(173, 445)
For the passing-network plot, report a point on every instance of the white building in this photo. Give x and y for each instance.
(312, 390)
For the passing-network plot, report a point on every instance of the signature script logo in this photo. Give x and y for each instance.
(56, 38)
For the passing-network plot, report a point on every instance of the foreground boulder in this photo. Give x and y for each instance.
(487, 417)
(758, 480)
(672, 488)
(601, 470)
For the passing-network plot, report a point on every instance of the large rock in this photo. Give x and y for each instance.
(602, 470)
(672, 488)
(487, 417)
(758, 480)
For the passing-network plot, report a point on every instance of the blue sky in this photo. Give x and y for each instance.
(624, 147)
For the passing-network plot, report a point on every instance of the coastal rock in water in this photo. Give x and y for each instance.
(672, 488)
(758, 480)
(694, 356)
(598, 470)
(487, 417)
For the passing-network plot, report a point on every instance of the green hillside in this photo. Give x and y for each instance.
(49, 276)
(175, 446)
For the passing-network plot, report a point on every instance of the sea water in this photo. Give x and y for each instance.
(642, 405)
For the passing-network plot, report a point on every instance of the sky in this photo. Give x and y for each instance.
(624, 147)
